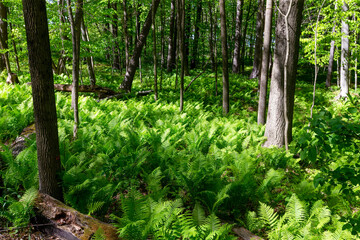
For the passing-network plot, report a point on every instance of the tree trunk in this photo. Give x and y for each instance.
(134, 61)
(115, 34)
(211, 36)
(47, 140)
(247, 20)
(263, 82)
(236, 58)
(12, 77)
(3, 32)
(172, 40)
(187, 32)
(259, 41)
(89, 59)
(275, 124)
(126, 34)
(75, 25)
(194, 57)
(226, 105)
(181, 48)
(331, 57)
(345, 47)
(154, 52)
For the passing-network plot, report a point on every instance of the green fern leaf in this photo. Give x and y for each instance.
(268, 215)
(295, 210)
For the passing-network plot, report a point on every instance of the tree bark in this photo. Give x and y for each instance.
(115, 34)
(126, 34)
(67, 223)
(226, 105)
(75, 25)
(247, 20)
(181, 48)
(89, 59)
(194, 57)
(345, 47)
(263, 82)
(275, 124)
(259, 41)
(172, 40)
(134, 61)
(187, 32)
(236, 58)
(211, 36)
(3, 32)
(331, 57)
(154, 52)
(47, 140)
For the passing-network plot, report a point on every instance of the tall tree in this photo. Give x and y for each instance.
(172, 40)
(12, 77)
(258, 41)
(249, 14)
(194, 57)
(126, 34)
(134, 61)
(263, 82)
(345, 47)
(115, 33)
(181, 48)
(282, 88)
(42, 83)
(75, 25)
(211, 36)
(236, 58)
(89, 58)
(226, 105)
(331, 56)
(154, 52)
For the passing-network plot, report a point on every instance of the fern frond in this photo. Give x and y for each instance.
(29, 196)
(94, 207)
(198, 215)
(221, 196)
(268, 215)
(295, 210)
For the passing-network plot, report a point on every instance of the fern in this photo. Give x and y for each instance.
(268, 215)
(295, 210)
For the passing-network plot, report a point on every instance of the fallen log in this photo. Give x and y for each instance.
(66, 223)
(245, 234)
(123, 94)
(85, 88)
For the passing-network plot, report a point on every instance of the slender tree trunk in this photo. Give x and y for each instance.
(75, 25)
(42, 83)
(154, 52)
(3, 33)
(187, 29)
(211, 36)
(89, 59)
(236, 58)
(134, 61)
(276, 119)
(265, 62)
(259, 41)
(247, 20)
(331, 57)
(137, 37)
(172, 40)
(181, 34)
(345, 47)
(194, 57)
(226, 105)
(115, 33)
(126, 34)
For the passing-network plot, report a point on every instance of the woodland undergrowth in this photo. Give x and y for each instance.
(155, 172)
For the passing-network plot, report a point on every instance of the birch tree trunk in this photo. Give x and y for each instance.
(345, 47)
(331, 57)
(263, 82)
(226, 105)
(75, 25)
